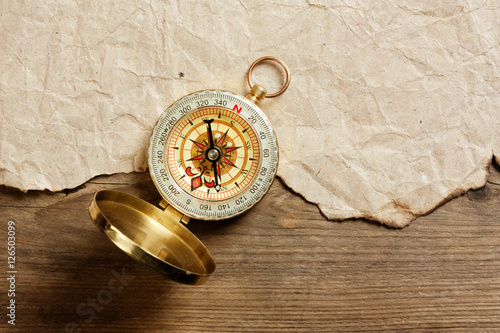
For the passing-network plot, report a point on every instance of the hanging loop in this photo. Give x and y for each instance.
(269, 58)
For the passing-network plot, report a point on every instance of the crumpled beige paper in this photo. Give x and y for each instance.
(393, 108)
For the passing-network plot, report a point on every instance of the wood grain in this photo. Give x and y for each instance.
(282, 267)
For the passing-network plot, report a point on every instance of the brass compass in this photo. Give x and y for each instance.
(212, 155)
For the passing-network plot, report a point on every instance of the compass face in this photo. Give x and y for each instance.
(213, 155)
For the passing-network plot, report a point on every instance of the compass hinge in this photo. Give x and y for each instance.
(172, 213)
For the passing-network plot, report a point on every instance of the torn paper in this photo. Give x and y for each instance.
(393, 106)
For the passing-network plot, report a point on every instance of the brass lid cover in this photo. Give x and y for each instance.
(152, 237)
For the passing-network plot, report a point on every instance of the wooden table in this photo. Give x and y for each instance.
(282, 267)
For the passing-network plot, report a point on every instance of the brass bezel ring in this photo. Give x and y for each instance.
(269, 58)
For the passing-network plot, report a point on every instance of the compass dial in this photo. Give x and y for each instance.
(213, 155)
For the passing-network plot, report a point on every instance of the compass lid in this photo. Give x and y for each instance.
(152, 237)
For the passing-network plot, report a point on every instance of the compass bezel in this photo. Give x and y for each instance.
(200, 208)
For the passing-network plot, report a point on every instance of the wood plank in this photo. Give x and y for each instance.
(280, 267)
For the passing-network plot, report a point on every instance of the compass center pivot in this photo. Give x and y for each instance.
(213, 154)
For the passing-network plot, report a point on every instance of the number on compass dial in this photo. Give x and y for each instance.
(213, 153)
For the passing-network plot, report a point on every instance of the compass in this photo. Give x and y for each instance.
(213, 155)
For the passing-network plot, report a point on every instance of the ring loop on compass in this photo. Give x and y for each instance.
(269, 58)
